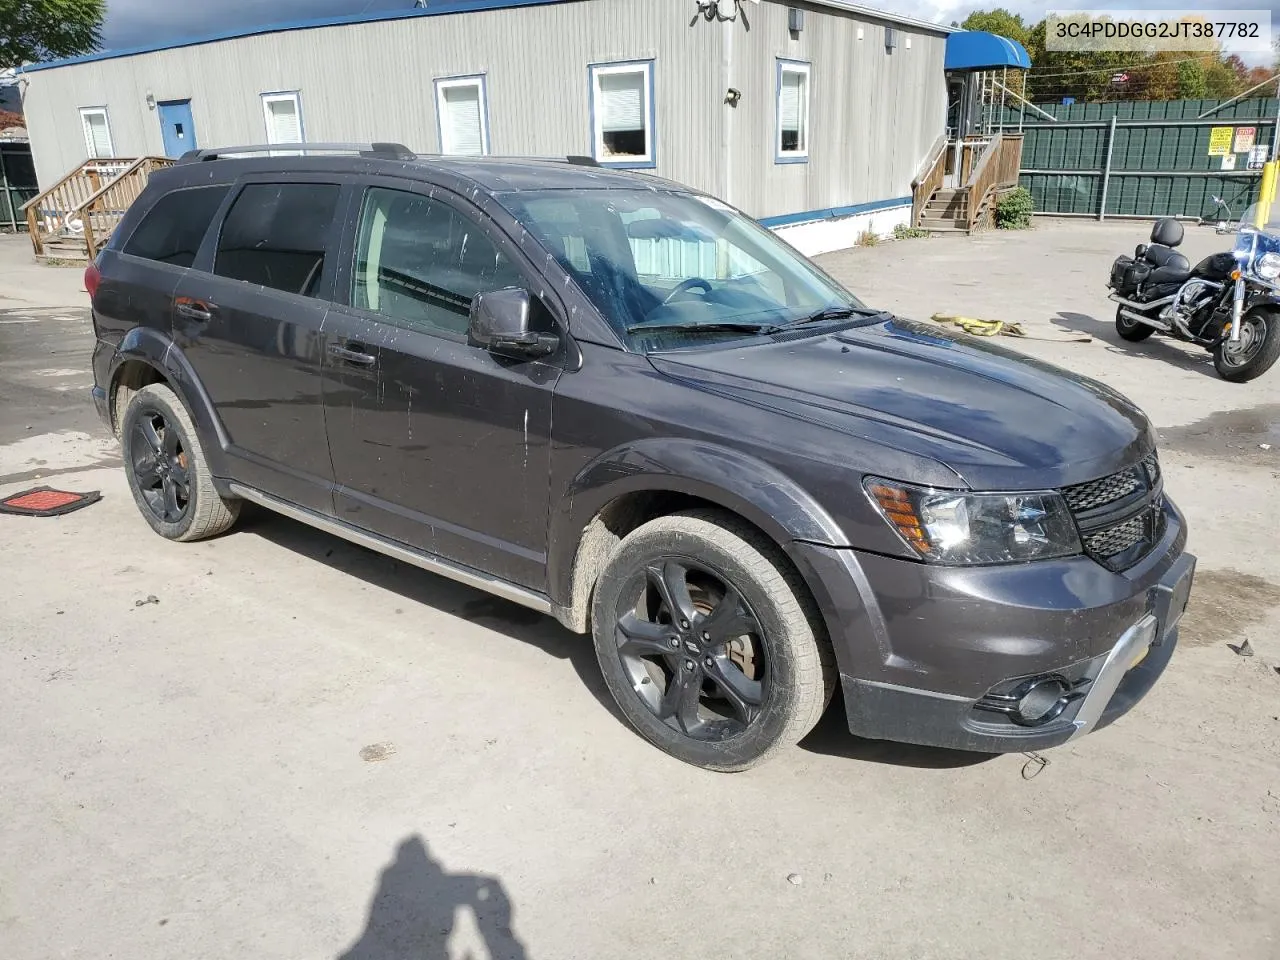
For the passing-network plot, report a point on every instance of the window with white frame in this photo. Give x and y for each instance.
(793, 111)
(97, 132)
(464, 116)
(622, 113)
(283, 115)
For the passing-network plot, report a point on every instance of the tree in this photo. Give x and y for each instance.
(1000, 22)
(36, 30)
(1191, 80)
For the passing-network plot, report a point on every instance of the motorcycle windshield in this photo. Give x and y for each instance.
(1262, 217)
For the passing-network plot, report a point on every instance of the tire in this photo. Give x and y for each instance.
(167, 472)
(1252, 357)
(1132, 330)
(785, 667)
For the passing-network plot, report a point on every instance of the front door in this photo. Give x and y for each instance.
(435, 443)
(177, 127)
(248, 321)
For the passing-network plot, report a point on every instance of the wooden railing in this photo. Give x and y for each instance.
(102, 212)
(928, 179)
(60, 210)
(995, 170)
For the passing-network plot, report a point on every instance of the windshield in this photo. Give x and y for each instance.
(669, 269)
(1262, 216)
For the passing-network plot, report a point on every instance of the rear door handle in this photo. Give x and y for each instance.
(352, 353)
(193, 309)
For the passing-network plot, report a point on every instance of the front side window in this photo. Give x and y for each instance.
(671, 269)
(793, 111)
(420, 263)
(283, 115)
(174, 228)
(463, 113)
(97, 132)
(276, 234)
(622, 114)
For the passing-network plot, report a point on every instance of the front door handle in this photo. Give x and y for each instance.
(193, 309)
(352, 353)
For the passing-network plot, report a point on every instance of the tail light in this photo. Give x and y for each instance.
(92, 278)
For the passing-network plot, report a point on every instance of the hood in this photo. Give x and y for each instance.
(998, 419)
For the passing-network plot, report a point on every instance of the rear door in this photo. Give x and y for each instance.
(249, 323)
(436, 443)
(142, 268)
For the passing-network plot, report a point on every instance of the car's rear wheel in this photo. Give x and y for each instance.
(168, 475)
(709, 642)
(1132, 330)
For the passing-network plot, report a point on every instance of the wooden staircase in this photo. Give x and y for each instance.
(985, 177)
(74, 218)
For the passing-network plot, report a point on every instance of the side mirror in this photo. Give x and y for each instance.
(499, 322)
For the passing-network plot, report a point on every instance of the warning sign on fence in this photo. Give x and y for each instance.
(1244, 139)
(1258, 157)
(1220, 141)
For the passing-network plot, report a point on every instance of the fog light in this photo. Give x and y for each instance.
(1042, 701)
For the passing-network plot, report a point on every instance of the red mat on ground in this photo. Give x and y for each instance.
(47, 502)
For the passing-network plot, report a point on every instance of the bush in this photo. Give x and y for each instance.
(1013, 210)
(904, 232)
(868, 238)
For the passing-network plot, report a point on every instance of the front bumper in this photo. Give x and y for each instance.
(920, 647)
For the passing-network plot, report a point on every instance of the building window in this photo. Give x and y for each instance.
(463, 112)
(622, 114)
(97, 132)
(283, 114)
(793, 112)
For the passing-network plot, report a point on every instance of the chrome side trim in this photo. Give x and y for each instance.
(1104, 685)
(398, 551)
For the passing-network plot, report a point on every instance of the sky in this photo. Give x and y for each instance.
(143, 22)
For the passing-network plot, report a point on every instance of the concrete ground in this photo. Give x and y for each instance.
(276, 745)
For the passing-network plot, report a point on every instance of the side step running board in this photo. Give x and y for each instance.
(398, 551)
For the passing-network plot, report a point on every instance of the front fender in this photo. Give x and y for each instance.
(158, 351)
(758, 492)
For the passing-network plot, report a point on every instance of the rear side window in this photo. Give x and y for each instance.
(174, 228)
(275, 235)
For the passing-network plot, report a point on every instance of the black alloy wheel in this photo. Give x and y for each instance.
(693, 649)
(161, 466)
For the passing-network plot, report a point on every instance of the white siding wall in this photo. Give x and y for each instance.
(873, 115)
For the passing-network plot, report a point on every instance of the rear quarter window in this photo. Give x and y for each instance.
(172, 230)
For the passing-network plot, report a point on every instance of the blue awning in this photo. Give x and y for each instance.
(974, 50)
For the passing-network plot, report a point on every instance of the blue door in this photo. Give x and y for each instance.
(178, 129)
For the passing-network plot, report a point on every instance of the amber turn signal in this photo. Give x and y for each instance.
(901, 512)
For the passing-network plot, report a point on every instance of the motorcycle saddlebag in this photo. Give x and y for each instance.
(1118, 271)
(1128, 274)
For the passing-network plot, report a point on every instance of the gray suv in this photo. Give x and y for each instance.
(623, 403)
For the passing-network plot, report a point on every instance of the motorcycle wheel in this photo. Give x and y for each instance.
(1256, 350)
(1131, 330)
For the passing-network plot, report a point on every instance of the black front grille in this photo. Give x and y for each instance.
(1121, 516)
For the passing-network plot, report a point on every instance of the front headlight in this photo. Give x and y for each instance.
(1267, 266)
(955, 527)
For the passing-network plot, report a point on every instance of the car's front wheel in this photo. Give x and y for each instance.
(168, 476)
(709, 642)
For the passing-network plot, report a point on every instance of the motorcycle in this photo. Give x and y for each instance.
(1229, 303)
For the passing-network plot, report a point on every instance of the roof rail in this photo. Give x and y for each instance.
(582, 161)
(379, 151)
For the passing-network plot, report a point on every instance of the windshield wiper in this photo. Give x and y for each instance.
(835, 313)
(721, 326)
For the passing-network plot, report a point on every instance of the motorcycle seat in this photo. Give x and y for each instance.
(1175, 269)
(1159, 254)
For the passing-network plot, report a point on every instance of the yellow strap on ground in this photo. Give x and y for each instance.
(1004, 328)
